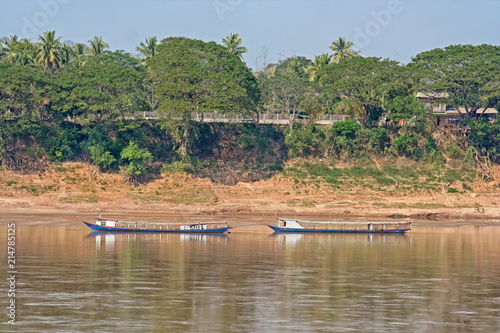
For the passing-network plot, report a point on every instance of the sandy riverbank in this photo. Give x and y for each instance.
(28, 211)
(77, 193)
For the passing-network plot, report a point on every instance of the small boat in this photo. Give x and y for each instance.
(291, 225)
(102, 224)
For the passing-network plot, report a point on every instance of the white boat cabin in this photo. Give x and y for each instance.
(291, 224)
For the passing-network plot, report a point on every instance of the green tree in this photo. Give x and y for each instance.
(407, 145)
(346, 128)
(101, 157)
(5, 45)
(365, 82)
(295, 66)
(408, 110)
(136, 159)
(104, 88)
(304, 141)
(20, 52)
(343, 139)
(80, 51)
(342, 49)
(97, 46)
(194, 76)
(21, 131)
(468, 74)
(378, 140)
(233, 43)
(320, 62)
(49, 54)
(148, 48)
(286, 91)
(67, 53)
(5, 41)
(352, 108)
(23, 90)
(99, 146)
(485, 137)
(61, 142)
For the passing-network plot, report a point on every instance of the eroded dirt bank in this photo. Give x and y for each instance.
(75, 191)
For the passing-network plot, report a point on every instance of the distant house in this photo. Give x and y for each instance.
(448, 116)
(432, 101)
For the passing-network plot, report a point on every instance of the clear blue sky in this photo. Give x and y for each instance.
(395, 29)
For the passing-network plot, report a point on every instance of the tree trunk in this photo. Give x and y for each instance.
(183, 149)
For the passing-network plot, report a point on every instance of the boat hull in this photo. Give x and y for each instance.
(190, 231)
(339, 231)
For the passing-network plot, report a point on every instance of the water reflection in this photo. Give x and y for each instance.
(433, 279)
(293, 238)
(108, 239)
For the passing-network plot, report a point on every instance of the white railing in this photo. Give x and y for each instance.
(263, 118)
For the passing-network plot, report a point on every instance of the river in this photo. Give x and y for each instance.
(433, 279)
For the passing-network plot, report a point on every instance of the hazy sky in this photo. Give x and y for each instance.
(395, 29)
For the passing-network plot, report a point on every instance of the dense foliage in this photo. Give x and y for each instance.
(470, 75)
(193, 76)
(67, 101)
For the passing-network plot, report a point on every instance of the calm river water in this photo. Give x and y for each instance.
(435, 279)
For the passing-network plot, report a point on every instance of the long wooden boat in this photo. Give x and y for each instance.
(102, 224)
(291, 225)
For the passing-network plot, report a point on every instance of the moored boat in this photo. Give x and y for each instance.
(102, 224)
(291, 225)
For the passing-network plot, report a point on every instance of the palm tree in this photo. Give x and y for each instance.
(24, 56)
(80, 49)
(319, 63)
(342, 49)
(2, 51)
(7, 40)
(67, 53)
(19, 57)
(49, 53)
(20, 52)
(5, 45)
(233, 43)
(97, 46)
(149, 48)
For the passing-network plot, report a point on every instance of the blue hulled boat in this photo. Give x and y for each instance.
(291, 225)
(102, 224)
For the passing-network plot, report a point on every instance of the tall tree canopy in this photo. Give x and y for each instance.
(470, 75)
(233, 43)
(288, 91)
(105, 87)
(342, 49)
(50, 50)
(320, 62)
(97, 45)
(20, 52)
(22, 90)
(148, 48)
(67, 53)
(194, 76)
(79, 52)
(364, 81)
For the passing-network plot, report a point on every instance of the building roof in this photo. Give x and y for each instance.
(479, 111)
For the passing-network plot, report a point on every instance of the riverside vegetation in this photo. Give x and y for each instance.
(70, 102)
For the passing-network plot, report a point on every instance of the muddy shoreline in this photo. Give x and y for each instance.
(235, 216)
